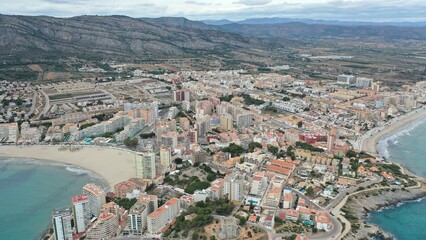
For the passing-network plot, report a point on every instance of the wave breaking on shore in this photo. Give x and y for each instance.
(393, 139)
(76, 170)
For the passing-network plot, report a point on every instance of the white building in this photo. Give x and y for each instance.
(346, 79)
(165, 157)
(364, 83)
(145, 165)
(244, 120)
(97, 198)
(81, 211)
(233, 186)
(62, 224)
(136, 220)
(9, 132)
(164, 215)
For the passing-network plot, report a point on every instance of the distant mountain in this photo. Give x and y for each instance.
(117, 36)
(303, 31)
(217, 22)
(177, 22)
(277, 20)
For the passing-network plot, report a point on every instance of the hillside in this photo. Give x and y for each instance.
(116, 36)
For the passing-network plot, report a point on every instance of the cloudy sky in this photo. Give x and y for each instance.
(359, 10)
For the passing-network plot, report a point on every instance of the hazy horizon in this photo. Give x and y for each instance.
(329, 10)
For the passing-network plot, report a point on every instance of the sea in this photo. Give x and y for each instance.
(31, 189)
(406, 220)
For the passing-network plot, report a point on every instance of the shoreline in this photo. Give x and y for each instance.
(111, 164)
(364, 203)
(372, 138)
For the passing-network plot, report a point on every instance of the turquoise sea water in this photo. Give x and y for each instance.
(29, 190)
(405, 221)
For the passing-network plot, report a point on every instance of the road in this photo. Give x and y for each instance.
(334, 215)
(376, 179)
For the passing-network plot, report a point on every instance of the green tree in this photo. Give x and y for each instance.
(211, 177)
(234, 149)
(131, 142)
(195, 236)
(273, 149)
(253, 145)
(310, 192)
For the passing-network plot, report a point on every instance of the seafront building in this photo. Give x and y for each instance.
(9, 132)
(62, 228)
(81, 212)
(96, 197)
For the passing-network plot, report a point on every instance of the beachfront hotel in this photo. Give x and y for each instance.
(62, 224)
(80, 208)
(164, 215)
(96, 198)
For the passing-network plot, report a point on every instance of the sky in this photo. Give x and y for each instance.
(344, 10)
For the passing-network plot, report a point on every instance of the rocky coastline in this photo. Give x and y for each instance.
(360, 205)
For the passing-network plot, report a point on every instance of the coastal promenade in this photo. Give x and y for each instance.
(112, 164)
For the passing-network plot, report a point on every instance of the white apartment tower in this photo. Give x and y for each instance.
(62, 224)
(165, 157)
(81, 212)
(145, 165)
(96, 197)
(233, 186)
(244, 120)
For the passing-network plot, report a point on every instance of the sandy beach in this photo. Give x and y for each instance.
(369, 143)
(113, 165)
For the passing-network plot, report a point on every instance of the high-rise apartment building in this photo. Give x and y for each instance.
(244, 120)
(136, 220)
(233, 187)
(145, 165)
(62, 224)
(181, 95)
(97, 198)
(226, 122)
(81, 212)
(203, 126)
(165, 157)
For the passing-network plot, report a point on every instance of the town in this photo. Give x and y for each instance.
(217, 154)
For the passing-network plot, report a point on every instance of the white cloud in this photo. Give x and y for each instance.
(253, 2)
